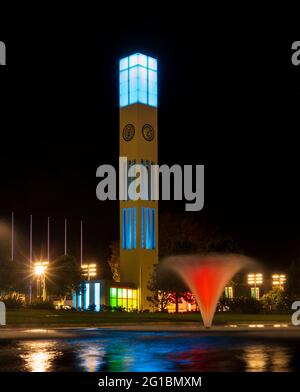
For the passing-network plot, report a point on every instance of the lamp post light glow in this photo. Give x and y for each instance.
(278, 280)
(89, 270)
(253, 281)
(40, 268)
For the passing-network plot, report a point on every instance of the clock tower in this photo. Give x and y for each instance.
(138, 144)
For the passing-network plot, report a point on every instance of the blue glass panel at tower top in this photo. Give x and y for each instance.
(138, 80)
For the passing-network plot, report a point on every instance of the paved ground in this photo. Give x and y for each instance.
(272, 330)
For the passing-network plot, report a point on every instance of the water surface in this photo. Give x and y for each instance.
(152, 351)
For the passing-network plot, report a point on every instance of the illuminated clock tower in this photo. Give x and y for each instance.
(138, 143)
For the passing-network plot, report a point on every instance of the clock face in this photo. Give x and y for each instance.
(148, 132)
(128, 132)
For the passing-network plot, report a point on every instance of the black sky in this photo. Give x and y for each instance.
(228, 98)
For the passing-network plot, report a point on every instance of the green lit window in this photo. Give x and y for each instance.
(122, 297)
(255, 293)
(228, 292)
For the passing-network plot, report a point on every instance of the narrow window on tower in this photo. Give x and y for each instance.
(134, 227)
(124, 228)
(129, 228)
(153, 229)
(148, 229)
(143, 228)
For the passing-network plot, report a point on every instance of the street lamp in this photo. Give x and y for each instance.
(89, 270)
(278, 280)
(40, 268)
(253, 281)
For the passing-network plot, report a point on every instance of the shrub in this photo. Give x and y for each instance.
(240, 305)
(39, 304)
(13, 300)
(275, 301)
(105, 308)
(118, 309)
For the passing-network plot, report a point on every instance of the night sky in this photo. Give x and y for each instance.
(229, 98)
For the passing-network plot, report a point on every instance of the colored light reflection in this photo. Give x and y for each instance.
(261, 358)
(39, 356)
(90, 358)
(152, 351)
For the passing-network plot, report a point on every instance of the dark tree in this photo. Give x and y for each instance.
(114, 261)
(182, 234)
(293, 280)
(167, 287)
(64, 276)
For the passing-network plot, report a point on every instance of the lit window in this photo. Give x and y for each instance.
(124, 228)
(138, 80)
(86, 296)
(113, 291)
(152, 63)
(228, 292)
(122, 297)
(97, 296)
(148, 228)
(134, 227)
(153, 231)
(129, 228)
(142, 227)
(255, 293)
(124, 63)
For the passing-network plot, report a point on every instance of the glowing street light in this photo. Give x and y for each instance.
(253, 281)
(40, 268)
(89, 270)
(278, 280)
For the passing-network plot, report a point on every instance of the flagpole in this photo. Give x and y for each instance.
(81, 242)
(48, 240)
(12, 236)
(66, 223)
(30, 259)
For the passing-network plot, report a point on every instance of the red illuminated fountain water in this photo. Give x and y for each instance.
(206, 276)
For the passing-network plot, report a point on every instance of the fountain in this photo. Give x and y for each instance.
(206, 276)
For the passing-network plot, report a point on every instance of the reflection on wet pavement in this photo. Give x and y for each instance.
(152, 351)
